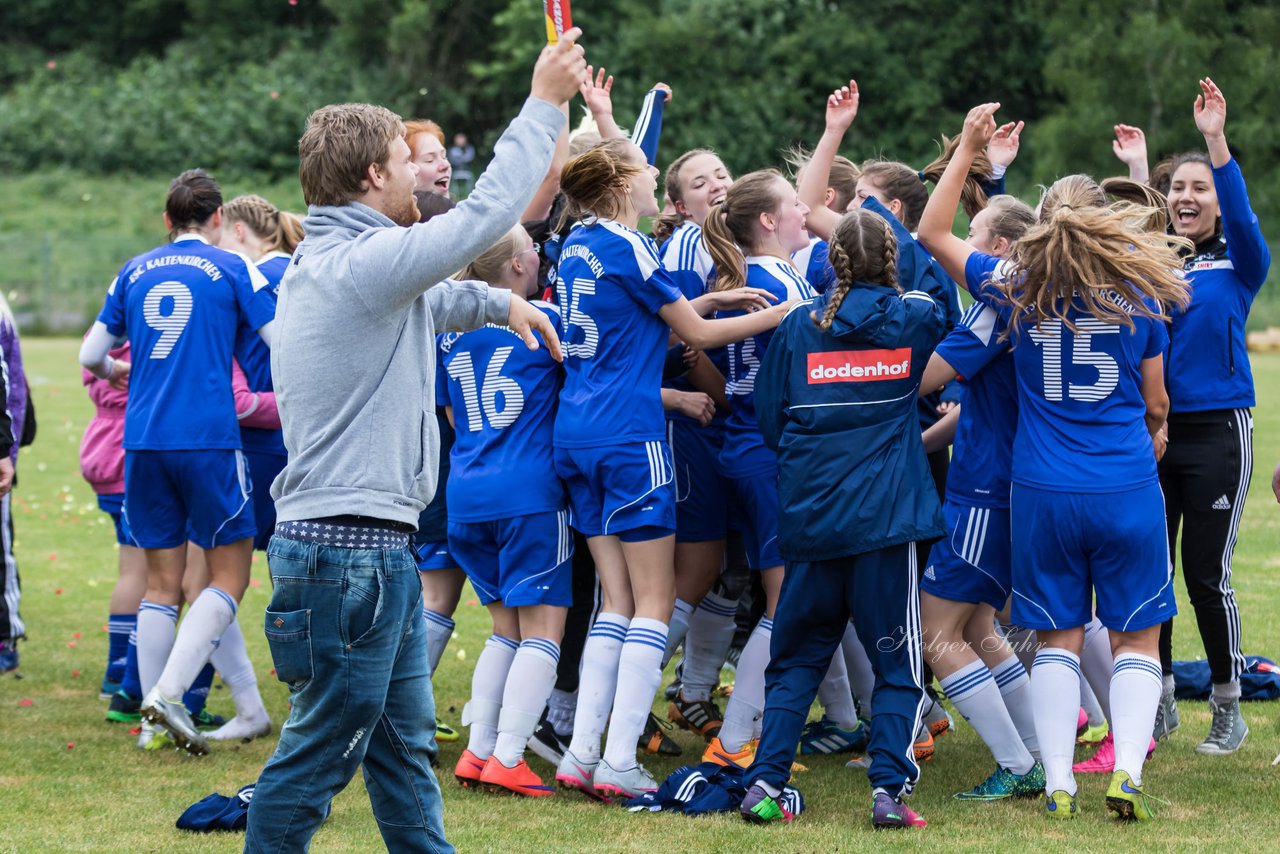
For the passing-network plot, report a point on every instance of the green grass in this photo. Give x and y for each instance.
(104, 795)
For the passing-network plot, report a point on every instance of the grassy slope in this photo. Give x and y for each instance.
(103, 795)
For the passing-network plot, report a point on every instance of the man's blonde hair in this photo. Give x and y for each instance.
(339, 144)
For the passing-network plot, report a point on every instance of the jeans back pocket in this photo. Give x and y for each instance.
(289, 637)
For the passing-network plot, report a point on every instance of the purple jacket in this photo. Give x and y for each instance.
(17, 380)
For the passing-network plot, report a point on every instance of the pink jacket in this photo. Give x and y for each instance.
(101, 451)
(101, 454)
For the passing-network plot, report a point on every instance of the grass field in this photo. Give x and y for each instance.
(70, 781)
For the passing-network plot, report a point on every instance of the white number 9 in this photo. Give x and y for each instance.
(170, 325)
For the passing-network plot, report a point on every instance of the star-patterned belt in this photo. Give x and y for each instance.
(342, 536)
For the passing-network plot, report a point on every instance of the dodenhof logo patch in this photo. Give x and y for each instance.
(858, 366)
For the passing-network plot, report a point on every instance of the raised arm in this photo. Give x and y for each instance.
(842, 109)
(1130, 147)
(597, 92)
(940, 213)
(648, 127)
(540, 205)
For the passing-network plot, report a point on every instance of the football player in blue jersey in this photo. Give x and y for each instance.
(967, 577)
(515, 547)
(751, 234)
(1210, 396)
(181, 306)
(836, 400)
(619, 307)
(1084, 293)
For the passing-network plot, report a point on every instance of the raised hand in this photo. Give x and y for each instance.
(1210, 110)
(559, 70)
(665, 90)
(1130, 145)
(979, 127)
(842, 107)
(596, 92)
(1002, 150)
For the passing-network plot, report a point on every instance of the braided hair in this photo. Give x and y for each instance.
(864, 250)
(279, 230)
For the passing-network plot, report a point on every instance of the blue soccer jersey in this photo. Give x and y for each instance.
(815, 262)
(180, 306)
(686, 258)
(744, 453)
(503, 397)
(254, 355)
(982, 454)
(1081, 424)
(610, 286)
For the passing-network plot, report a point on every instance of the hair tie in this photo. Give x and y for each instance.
(920, 175)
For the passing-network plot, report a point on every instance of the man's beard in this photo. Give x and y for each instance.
(405, 213)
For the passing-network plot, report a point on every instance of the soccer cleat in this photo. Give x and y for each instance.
(759, 807)
(938, 719)
(718, 755)
(548, 743)
(890, 814)
(519, 780)
(444, 732)
(573, 773)
(1003, 784)
(923, 746)
(1103, 760)
(468, 770)
(151, 738)
(108, 689)
(1060, 805)
(1228, 730)
(1127, 801)
(701, 717)
(823, 736)
(205, 720)
(1093, 734)
(173, 717)
(622, 785)
(862, 763)
(1167, 720)
(241, 730)
(655, 742)
(124, 708)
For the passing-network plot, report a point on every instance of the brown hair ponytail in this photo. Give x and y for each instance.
(595, 182)
(733, 223)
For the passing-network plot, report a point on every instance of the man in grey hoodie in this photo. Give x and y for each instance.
(353, 363)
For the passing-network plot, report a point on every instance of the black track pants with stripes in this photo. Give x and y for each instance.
(1205, 476)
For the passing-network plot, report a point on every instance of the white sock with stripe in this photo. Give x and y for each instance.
(1095, 663)
(676, 629)
(487, 684)
(706, 644)
(231, 660)
(1136, 682)
(597, 684)
(862, 678)
(157, 625)
(639, 675)
(835, 695)
(746, 704)
(439, 631)
(1055, 696)
(974, 693)
(1015, 690)
(529, 684)
(201, 631)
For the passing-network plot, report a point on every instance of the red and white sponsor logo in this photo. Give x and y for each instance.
(859, 366)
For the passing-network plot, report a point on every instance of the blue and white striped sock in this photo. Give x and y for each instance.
(706, 643)
(439, 631)
(119, 627)
(1136, 683)
(529, 684)
(1055, 697)
(746, 705)
(639, 675)
(200, 633)
(974, 693)
(676, 629)
(597, 684)
(1015, 689)
(157, 625)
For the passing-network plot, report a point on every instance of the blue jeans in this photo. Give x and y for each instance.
(346, 634)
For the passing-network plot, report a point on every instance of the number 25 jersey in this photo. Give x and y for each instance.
(1081, 413)
(610, 286)
(180, 306)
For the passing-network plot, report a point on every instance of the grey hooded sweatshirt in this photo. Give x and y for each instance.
(353, 352)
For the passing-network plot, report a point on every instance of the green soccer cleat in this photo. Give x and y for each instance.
(759, 807)
(1004, 784)
(1061, 806)
(444, 732)
(1127, 801)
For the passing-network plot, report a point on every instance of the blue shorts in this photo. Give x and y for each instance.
(971, 563)
(174, 496)
(702, 494)
(524, 560)
(758, 498)
(625, 491)
(1067, 546)
(431, 556)
(113, 505)
(263, 468)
